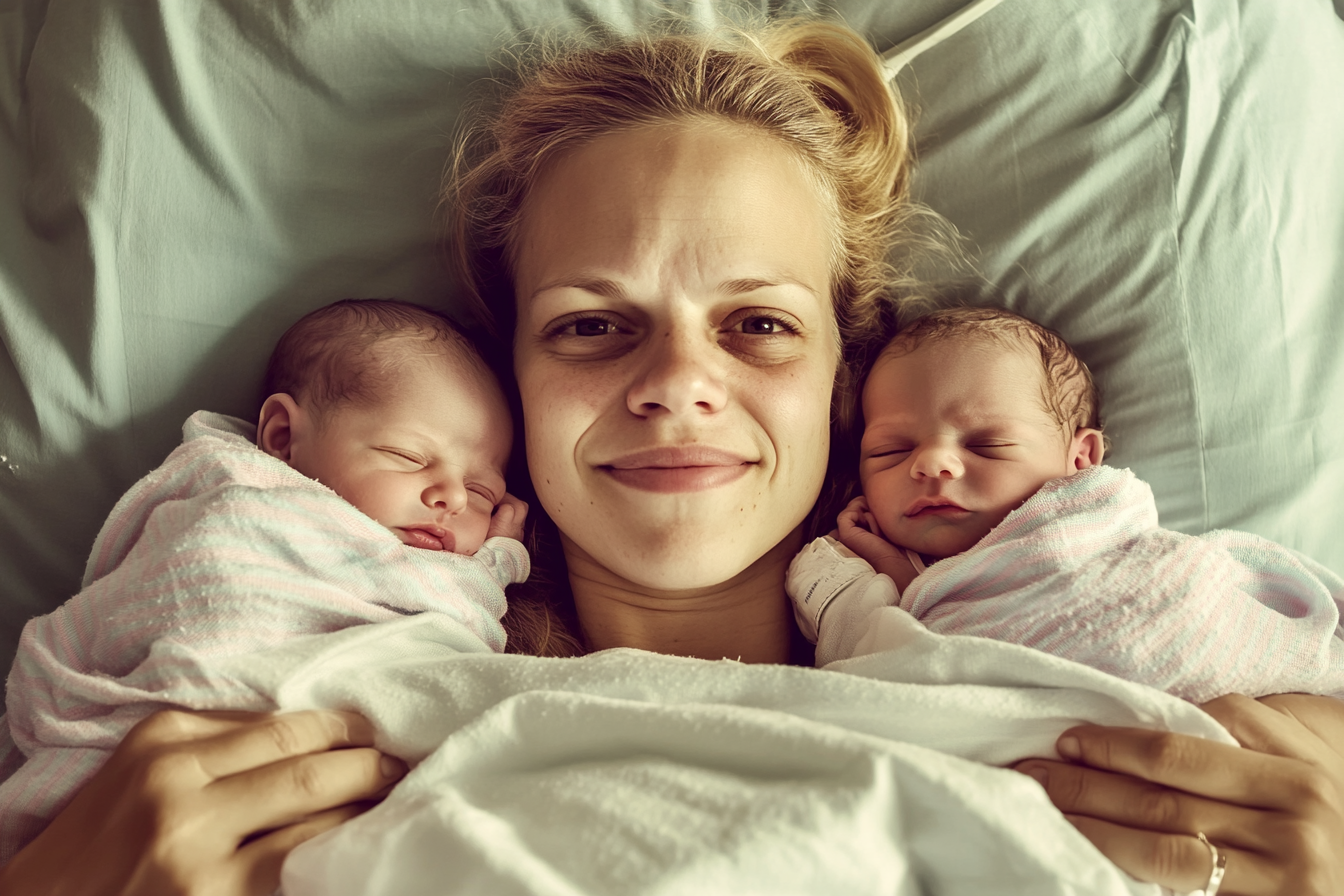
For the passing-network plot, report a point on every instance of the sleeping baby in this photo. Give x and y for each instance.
(986, 511)
(371, 488)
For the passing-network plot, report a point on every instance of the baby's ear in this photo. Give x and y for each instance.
(1085, 449)
(275, 425)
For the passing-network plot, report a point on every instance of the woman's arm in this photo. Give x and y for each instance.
(205, 803)
(1274, 808)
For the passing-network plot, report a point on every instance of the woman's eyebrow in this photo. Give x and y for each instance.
(598, 285)
(750, 284)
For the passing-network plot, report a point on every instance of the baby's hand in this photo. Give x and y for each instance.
(507, 520)
(858, 530)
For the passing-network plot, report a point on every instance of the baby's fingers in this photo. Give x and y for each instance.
(853, 518)
(519, 507)
(856, 507)
(507, 519)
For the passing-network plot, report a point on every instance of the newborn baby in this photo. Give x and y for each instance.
(371, 488)
(986, 511)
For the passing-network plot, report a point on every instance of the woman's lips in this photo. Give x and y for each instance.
(431, 538)
(670, 470)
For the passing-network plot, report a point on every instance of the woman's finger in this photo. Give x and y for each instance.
(1146, 808)
(1218, 771)
(259, 862)
(1276, 804)
(283, 793)
(1177, 861)
(1269, 727)
(266, 739)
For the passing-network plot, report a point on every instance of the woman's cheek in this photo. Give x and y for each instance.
(800, 405)
(558, 407)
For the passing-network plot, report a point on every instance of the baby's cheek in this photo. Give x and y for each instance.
(884, 500)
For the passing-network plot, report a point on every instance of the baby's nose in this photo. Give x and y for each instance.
(937, 462)
(447, 494)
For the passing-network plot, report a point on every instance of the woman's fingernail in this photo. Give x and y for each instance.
(1038, 772)
(391, 767)
(1069, 748)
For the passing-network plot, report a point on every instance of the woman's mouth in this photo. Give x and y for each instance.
(670, 470)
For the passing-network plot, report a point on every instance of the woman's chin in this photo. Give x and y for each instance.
(673, 558)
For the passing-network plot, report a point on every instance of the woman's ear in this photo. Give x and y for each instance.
(1086, 449)
(275, 425)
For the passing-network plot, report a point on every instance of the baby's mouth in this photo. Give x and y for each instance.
(934, 507)
(429, 538)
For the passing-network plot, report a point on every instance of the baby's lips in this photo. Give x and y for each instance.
(922, 504)
(429, 538)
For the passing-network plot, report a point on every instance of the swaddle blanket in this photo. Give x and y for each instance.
(626, 772)
(1082, 570)
(222, 551)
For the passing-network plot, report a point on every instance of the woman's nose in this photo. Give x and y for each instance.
(446, 493)
(936, 462)
(682, 375)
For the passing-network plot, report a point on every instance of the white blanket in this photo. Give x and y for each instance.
(1082, 570)
(627, 772)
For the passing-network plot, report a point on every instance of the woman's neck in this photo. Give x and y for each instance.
(747, 618)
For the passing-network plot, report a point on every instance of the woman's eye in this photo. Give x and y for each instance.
(583, 326)
(593, 326)
(762, 325)
(589, 335)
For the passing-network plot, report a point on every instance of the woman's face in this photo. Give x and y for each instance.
(676, 349)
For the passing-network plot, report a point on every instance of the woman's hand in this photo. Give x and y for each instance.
(856, 529)
(207, 804)
(1274, 808)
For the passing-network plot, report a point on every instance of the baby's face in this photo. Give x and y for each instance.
(427, 460)
(956, 437)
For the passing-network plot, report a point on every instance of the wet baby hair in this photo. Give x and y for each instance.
(333, 356)
(1069, 393)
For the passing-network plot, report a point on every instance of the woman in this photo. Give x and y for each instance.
(689, 236)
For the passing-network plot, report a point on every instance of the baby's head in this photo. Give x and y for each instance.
(967, 412)
(390, 406)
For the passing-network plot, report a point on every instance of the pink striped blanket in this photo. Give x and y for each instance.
(222, 551)
(1083, 571)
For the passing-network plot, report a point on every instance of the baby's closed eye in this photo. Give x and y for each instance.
(992, 449)
(402, 454)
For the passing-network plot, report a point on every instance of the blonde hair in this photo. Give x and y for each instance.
(815, 86)
(1069, 393)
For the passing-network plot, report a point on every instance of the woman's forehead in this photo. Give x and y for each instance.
(691, 205)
